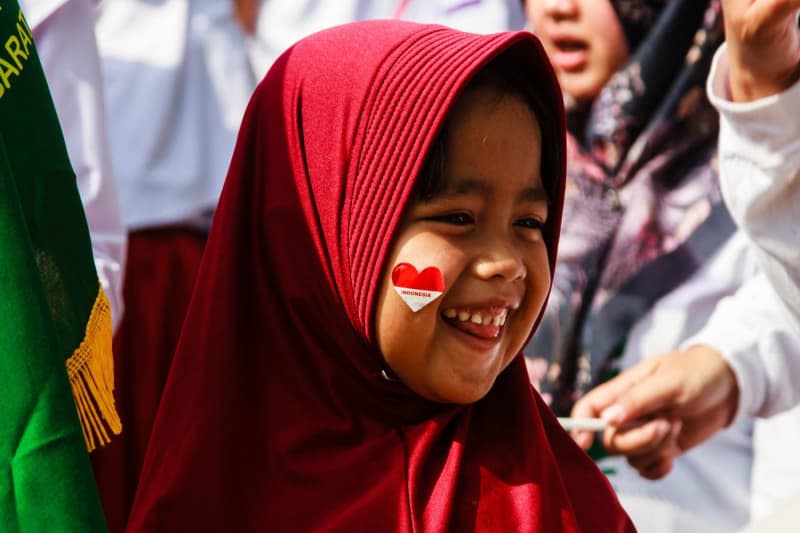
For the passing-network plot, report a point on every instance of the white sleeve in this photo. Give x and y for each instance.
(759, 154)
(756, 337)
(64, 35)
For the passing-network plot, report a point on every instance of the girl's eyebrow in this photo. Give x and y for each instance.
(465, 187)
(473, 186)
(534, 195)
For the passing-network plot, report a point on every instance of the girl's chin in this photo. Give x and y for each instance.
(461, 394)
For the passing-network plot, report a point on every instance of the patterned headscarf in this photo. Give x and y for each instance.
(643, 208)
(637, 17)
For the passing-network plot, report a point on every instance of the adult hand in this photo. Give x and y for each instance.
(662, 407)
(763, 46)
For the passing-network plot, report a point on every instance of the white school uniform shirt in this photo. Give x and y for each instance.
(64, 34)
(281, 23)
(177, 81)
(476, 16)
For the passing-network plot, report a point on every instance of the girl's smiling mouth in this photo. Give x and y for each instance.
(482, 322)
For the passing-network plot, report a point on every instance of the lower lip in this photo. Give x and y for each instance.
(479, 343)
(569, 61)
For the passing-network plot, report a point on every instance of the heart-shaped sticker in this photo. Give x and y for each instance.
(417, 289)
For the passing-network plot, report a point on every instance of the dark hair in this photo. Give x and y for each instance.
(506, 79)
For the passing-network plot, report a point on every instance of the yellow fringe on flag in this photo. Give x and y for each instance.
(91, 375)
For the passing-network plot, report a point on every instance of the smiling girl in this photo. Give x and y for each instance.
(306, 393)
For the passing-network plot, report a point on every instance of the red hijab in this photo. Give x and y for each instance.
(275, 415)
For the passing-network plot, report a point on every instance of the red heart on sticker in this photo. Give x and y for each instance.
(430, 279)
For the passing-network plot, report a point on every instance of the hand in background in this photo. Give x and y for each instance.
(763, 46)
(662, 407)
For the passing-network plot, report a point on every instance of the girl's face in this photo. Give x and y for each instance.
(584, 40)
(484, 232)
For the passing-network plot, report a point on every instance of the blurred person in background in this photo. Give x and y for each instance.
(648, 247)
(754, 85)
(63, 31)
(279, 23)
(176, 79)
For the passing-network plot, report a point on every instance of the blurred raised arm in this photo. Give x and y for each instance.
(754, 85)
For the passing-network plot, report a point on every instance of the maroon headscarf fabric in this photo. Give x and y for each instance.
(275, 416)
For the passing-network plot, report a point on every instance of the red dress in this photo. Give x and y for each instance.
(161, 268)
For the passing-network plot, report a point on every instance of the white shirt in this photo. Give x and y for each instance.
(64, 35)
(486, 16)
(282, 23)
(177, 81)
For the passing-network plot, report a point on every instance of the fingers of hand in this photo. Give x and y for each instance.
(648, 397)
(600, 400)
(776, 11)
(655, 460)
(582, 438)
(639, 439)
(760, 22)
(759, 11)
(603, 400)
(590, 406)
(659, 468)
(697, 430)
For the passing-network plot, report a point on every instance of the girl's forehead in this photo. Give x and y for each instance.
(492, 142)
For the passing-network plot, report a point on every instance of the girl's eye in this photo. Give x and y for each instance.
(456, 219)
(529, 223)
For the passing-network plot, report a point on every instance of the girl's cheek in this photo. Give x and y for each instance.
(416, 286)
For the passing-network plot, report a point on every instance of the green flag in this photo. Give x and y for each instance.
(55, 329)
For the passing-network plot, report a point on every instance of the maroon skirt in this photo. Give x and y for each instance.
(160, 271)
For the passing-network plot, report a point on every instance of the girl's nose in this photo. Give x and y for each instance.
(560, 8)
(500, 261)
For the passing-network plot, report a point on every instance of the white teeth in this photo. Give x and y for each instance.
(477, 318)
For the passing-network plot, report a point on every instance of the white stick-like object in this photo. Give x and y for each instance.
(589, 424)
